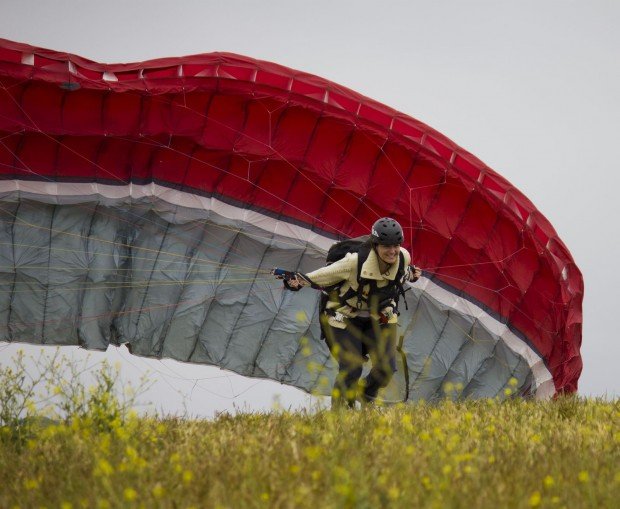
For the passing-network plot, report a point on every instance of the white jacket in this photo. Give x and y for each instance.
(345, 270)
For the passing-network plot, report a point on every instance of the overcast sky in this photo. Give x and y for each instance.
(531, 87)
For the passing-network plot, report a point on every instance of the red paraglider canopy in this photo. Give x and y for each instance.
(305, 151)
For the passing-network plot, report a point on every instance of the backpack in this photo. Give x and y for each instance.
(360, 245)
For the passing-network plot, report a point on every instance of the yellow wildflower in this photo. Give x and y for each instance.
(31, 484)
(130, 494)
(103, 468)
(535, 499)
(30, 406)
(313, 367)
(188, 476)
(131, 453)
(158, 491)
(393, 493)
(343, 489)
(312, 452)
(583, 476)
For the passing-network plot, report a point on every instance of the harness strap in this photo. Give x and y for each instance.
(394, 286)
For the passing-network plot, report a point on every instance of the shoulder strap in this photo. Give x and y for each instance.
(401, 266)
(399, 278)
(362, 256)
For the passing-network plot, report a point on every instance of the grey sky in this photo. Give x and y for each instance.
(530, 87)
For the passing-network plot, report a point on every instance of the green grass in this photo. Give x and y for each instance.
(563, 453)
(64, 444)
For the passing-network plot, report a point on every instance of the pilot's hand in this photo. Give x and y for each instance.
(414, 273)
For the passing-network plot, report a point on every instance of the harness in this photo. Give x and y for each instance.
(383, 295)
(377, 296)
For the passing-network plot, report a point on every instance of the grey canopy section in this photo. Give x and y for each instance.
(194, 286)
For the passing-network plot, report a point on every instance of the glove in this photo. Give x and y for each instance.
(294, 284)
(386, 314)
(412, 274)
(291, 284)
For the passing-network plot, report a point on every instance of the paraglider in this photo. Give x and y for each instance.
(362, 284)
(147, 204)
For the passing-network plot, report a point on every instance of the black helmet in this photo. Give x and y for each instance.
(387, 232)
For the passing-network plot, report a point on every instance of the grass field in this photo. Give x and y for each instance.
(516, 453)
